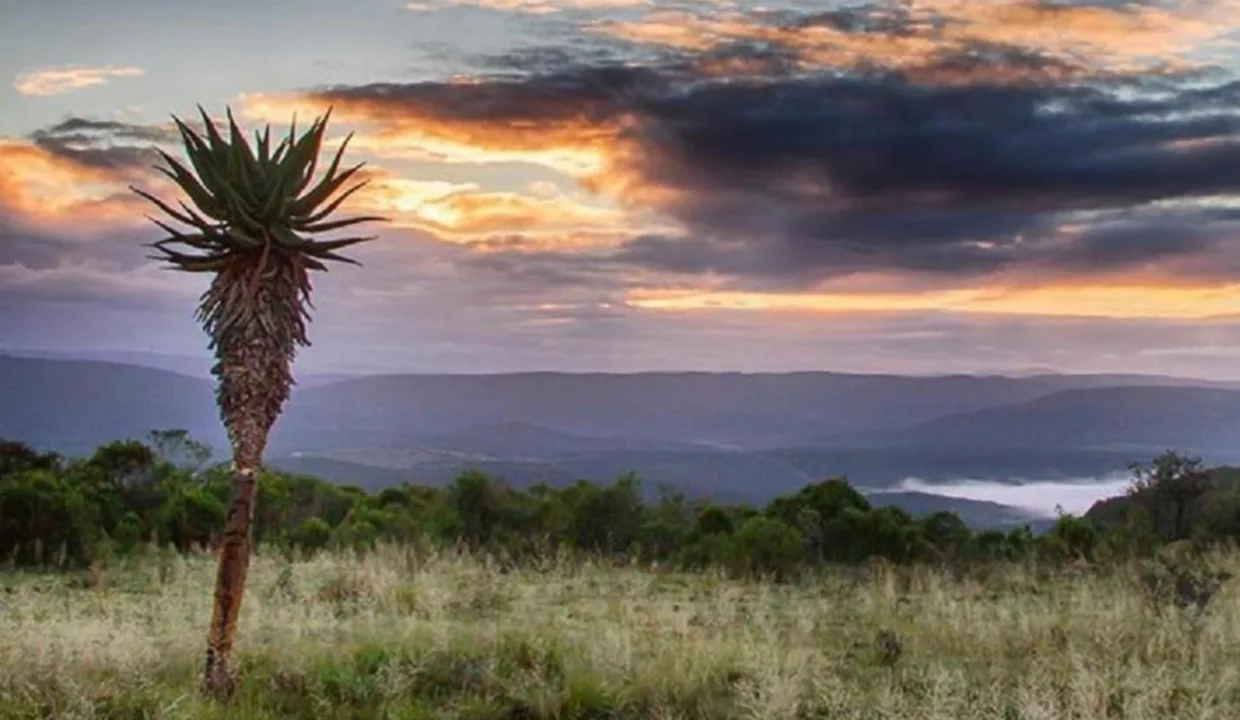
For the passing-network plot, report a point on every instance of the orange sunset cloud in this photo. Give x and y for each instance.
(572, 146)
(591, 155)
(590, 151)
(462, 212)
(43, 82)
(48, 190)
(1098, 301)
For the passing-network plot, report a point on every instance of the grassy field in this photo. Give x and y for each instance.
(397, 634)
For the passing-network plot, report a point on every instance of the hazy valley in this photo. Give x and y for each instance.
(730, 437)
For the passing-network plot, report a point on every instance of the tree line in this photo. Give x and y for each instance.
(62, 513)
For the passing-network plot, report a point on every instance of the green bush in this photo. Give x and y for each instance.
(64, 513)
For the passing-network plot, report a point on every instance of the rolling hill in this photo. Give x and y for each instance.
(1130, 419)
(73, 406)
(737, 437)
(518, 440)
(732, 410)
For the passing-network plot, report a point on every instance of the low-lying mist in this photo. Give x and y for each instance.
(1073, 495)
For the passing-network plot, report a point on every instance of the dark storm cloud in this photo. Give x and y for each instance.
(980, 61)
(594, 94)
(109, 128)
(870, 18)
(815, 176)
(864, 174)
(862, 143)
(103, 144)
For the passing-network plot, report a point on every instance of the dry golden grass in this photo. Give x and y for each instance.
(400, 635)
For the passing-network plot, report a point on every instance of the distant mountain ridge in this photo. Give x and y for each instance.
(1144, 419)
(738, 436)
(197, 366)
(73, 406)
(733, 410)
(56, 402)
(517, 439)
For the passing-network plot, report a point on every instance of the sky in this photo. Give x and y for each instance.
(930, 186)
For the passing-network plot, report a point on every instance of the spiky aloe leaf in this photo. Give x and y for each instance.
(250, 173)
(306, 159)
(307, 204)
(199, 194)
(323, 249)
(308, 221)
(202, 158)
(339, 224)
(185, 219)
(331, 182)
(264, 145)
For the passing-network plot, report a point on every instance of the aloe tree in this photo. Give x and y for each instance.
(251, 214)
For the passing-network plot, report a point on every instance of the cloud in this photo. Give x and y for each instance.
(534, 7)
(464, 212)
(956, 39)
(73, 176)
(52, 189)
(795, 181)
(1116, 302)
(94, 281)
(104, 144)
(470, 121)
(70, 229)
(938, 184)
(44, 82)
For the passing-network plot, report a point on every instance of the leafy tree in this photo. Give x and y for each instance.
(767, 546)
(477, 503)
(667, 526)
(312, 534)
(949, 536)
(177, 448)
(43, 520)
(130, 465)
(128, 535)
(890, 533)
(605, 519)
(989, 545)
(252, 216)
(189, 515)
(1222, 516)
(1071, 538)
(1138, 536)
(714, 520)
(18, 456)
(1168, 487)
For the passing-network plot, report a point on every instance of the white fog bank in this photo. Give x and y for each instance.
(1074, 495)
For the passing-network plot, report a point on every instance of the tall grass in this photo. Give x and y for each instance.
(403, 634)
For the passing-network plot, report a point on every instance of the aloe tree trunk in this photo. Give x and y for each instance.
(255, 381)
(234, 564)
